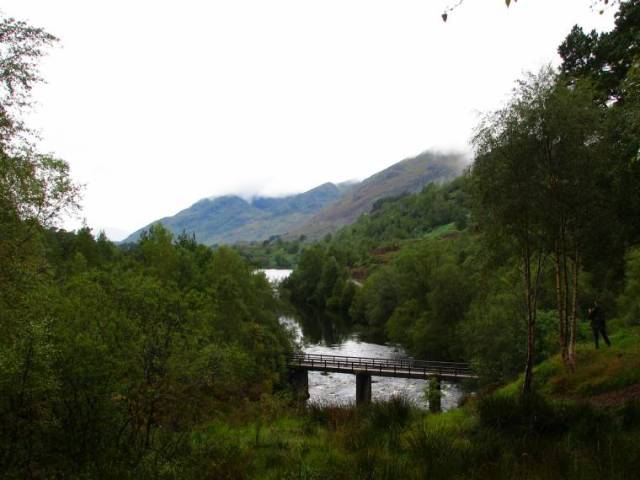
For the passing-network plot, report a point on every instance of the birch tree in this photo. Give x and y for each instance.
(540, 180)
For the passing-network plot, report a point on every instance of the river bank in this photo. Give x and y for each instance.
(331, 335)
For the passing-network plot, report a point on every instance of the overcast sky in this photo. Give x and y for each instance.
(156, 104)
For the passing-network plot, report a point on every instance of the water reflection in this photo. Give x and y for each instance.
(275, 275)
(321, 328)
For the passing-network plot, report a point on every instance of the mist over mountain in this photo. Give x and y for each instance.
(230, 218)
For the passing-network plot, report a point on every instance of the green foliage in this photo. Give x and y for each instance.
(433, 394)
(494, 333)
(319, 281)
(499, 435)
(115, 349)
(394, 299)
(604, 58)
(34, 188)
(519, 415)
(23, 45)
(432, 297)
(544, 153)
(387, 440)
(406, 217)
(609, 62)
(629, 301)
(272, 253)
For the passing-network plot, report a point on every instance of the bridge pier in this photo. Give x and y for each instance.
(299, 380)
(363, 388)
(434, 395)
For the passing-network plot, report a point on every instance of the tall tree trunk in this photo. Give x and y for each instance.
(560, 303)
(528, 369)
(531, 319)
(565, 300)
(566, 303)
(574, 309)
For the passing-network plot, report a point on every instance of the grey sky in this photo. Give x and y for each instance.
(156, 104)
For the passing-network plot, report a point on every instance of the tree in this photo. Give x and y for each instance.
(541, 178)
(577, 187)
(34, 188)
(505, 186)
(21, 46)
(604, 58)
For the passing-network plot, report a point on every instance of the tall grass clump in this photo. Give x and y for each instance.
(332, 416)
(393, 413)
(517, 415)
(433, 451)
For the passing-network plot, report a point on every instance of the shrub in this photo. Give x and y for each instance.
(389, 414)
(512, 413)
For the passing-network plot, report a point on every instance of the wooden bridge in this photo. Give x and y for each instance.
(364, 368)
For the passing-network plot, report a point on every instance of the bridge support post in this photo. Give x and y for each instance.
(363, 388)
(434, 395)
(299, 380)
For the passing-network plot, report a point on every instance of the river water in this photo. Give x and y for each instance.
(325, 335)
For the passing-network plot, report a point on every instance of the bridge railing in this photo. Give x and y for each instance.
(383, 365)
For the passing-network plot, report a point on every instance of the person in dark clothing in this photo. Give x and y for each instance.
(596, 317)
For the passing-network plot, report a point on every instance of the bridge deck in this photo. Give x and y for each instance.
(382, 367)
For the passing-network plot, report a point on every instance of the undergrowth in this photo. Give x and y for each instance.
(496, 436)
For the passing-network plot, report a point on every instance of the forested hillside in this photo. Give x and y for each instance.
(230, 219)
(408, 176)
(438, 209)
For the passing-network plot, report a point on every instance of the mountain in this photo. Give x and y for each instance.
(231, 219)
(409, 175)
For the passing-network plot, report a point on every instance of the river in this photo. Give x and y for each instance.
(326, 335)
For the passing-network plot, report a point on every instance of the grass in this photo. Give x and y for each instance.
(495, 436)
(598, 372)
(454, 421)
